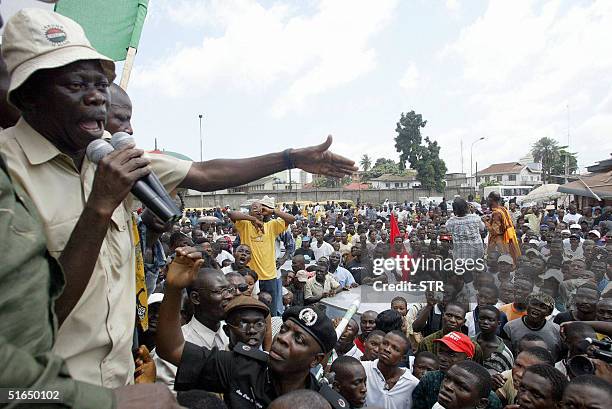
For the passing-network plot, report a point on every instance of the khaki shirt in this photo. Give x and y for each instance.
(315, 289)
(96, 337)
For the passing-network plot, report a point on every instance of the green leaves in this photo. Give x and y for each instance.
(552, 156)
(424, 158)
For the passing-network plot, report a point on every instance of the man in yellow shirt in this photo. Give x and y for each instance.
(258, 231)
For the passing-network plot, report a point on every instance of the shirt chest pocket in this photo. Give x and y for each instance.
(119, 237)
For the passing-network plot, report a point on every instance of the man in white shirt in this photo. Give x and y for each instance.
(321, 248)
(341, 274)
(572, 217)
(388, 385)
(346, 343)
(209, 294)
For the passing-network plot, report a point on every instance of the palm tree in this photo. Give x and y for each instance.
(546, 151)
(365, 162)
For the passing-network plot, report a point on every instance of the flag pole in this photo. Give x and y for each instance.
(127, 67)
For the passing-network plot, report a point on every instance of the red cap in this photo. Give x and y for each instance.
(458, 342)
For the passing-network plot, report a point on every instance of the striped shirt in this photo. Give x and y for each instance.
(500, 360)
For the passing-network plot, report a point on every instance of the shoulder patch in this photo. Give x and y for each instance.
(250, 352)
(334, 398)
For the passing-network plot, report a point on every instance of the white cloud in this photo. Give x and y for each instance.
(258, 47)
(411, 77)
(453, 5)
(522, 63)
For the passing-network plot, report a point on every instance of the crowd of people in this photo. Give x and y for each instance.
(239, 308)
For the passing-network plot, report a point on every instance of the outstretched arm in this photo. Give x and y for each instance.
(181, 273)
(223, 173)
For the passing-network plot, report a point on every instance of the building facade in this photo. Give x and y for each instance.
(510, 174)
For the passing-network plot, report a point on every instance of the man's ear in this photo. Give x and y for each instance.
(194, 297)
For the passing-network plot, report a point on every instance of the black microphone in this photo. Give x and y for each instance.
(99, 148)
(121, 139)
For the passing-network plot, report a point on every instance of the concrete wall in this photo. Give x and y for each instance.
(374, 196)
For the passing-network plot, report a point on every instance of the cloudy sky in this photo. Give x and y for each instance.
(268, 75)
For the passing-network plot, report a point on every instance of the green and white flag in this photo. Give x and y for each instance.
(112, 26)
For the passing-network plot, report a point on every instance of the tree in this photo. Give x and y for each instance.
(324, 181)
(425, 159)
(546, 151)
(491, 182)
(365, 162)
(383, 166)
(558, 167)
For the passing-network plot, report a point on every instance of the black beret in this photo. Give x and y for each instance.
(316, 323)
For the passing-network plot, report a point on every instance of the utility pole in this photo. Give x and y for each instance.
(461, 144)
(568, 143)
(471, 157)
(201, 158)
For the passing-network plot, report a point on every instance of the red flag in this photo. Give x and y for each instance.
(394, 229)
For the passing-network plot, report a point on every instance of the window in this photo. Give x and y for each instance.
(512, 178)
(388, 184)
(499, 178)
(397, 184)
(487, 178)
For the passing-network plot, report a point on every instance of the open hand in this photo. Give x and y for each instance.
(184, 268)
(319, 160)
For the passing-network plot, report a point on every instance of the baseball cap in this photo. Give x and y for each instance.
(575, 226)
(534, 252)
(575, 235)
(155, 297)
(596, 232)
(243, 302)
(543, 298)
(550, 207)
(316, 323)
(566, 231)
(505, 258)
(458, 342)
(36, 39)
(302, 276)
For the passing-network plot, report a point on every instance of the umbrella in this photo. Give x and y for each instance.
(209, 219)
(544, 193)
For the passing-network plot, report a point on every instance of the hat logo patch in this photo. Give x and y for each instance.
(308, 316)
(55, 35)
(341, 403)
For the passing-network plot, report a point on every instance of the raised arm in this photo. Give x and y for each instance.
(288, 218)
(223, 173)
(181, 273)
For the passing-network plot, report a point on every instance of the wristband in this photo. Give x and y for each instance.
(289, 163)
